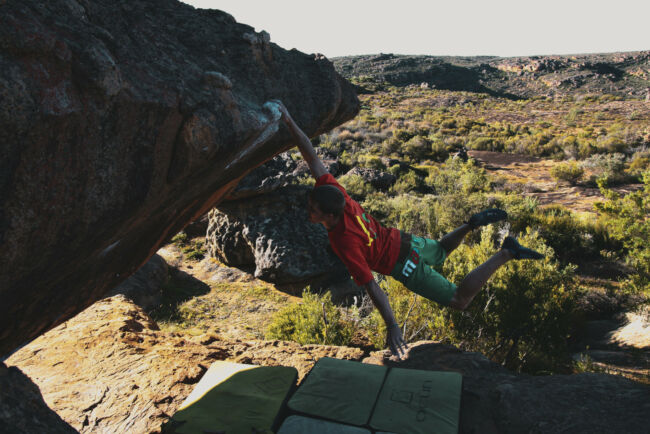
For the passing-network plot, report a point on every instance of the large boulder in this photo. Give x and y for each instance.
(495, 400)
(270, 235)
(122, 121)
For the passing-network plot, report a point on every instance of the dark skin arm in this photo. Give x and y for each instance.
(393, 333)
(307, 150)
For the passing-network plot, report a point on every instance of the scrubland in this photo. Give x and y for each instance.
(574, 176)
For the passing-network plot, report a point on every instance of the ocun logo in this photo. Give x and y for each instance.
(411, 263)
(374, 234)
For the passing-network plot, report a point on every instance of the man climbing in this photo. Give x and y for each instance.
(364, 245)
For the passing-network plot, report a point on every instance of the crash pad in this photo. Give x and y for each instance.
(414, 401)
(339, 390)
(302, 425)
(234, 398)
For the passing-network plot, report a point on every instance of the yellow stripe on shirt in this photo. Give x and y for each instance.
(370, 240)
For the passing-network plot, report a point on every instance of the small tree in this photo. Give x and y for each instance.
(569, 172)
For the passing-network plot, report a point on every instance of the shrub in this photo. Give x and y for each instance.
(523, 315)
(180, 239)
(403, 135)
(569, 172)
(408, 182)
(456, 176)
(609, 167)
(316, 320)
(355, 185)
(439, 150)
(417, 148)
(371, 161)
(627, 219)
(419, 318)
(195, 251)
(640, 162)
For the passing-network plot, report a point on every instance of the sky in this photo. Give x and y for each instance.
(447, 28)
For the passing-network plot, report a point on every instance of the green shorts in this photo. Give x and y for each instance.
(415, 272)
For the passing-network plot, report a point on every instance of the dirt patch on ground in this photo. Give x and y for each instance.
(533, 177)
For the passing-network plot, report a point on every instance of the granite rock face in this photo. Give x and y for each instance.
(495, 400)
(110, 369)
(121, 122)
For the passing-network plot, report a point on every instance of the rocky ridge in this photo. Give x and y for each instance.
(623, 74)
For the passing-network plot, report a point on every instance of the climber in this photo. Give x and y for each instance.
(364, 245)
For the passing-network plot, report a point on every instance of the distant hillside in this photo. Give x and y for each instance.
(623, 74)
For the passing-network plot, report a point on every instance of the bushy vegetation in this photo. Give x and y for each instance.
(416, 125)
(628, 220)
(525, 315)
(316, 320)
(193, 249)
(569, 172)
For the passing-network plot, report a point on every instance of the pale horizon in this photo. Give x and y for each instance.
(504, 28)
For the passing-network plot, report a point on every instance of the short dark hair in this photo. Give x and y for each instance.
(329, 199)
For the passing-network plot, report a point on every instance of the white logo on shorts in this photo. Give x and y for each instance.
(411, 263)
(409, 267)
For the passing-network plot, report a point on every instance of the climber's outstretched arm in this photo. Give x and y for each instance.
(393, 333)
(307, 150)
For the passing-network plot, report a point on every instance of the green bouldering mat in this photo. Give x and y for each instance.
(413, 401)
(308, 425)
(339, 390)
(235, 398)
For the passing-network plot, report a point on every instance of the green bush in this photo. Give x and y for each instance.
(407, 183)
(522, 317)
(608, 167)
(417, 148)
(569, 172)
(456, 176)
(371, 161)
(628, 220)
(573, 239)
(356, 186)
(419, 318)
(316, 320)
(195, 251)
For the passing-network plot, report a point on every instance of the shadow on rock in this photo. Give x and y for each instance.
(23, 409)
(179, 288)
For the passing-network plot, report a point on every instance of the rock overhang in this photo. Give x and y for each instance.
(122, 122)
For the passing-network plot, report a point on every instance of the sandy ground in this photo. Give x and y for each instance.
(534, 174)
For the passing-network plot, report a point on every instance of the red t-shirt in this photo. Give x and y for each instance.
(360, 241)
